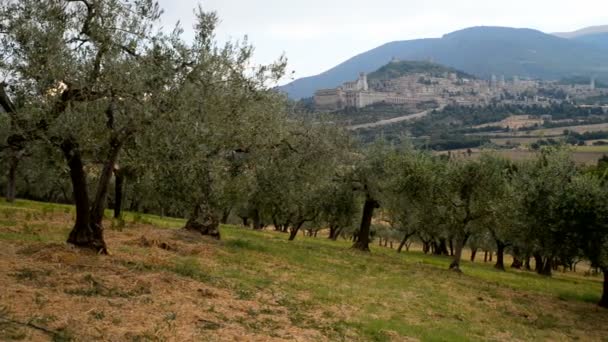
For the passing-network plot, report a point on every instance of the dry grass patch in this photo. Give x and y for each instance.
(154, 287)
(164, 284)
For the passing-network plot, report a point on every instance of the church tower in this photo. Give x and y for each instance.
(362, 82)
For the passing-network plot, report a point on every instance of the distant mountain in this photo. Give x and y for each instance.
(481, 51)
(397, 69)
(598, 39)
(595, 35)
(583, 32)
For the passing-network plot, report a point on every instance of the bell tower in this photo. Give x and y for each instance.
(363, 82)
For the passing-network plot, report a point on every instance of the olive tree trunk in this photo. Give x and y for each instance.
(404, 241)
(294, 230)
(441, 248)
(517, 263)
(362, 242)
(538, 263)
(546, 267)
(88, 230)
(204, 221)
(225, 215)
(473, 254)
(500, 254)
(15, 143)
(11, 185)
(119, 180)
(460, 242)
(604, 301)
(257, 220)
(334, 232)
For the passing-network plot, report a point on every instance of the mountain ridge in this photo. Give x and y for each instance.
(583, 32)
(480, 51)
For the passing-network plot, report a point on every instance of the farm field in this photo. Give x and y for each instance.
(514, 140)
(548, 132)
(591, 149)
(583, 155)
(514, 122)
(578, 129)
(164, 284)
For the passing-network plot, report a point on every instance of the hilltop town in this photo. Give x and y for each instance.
(410, 84)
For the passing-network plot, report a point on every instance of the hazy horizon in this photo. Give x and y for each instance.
(316, 35)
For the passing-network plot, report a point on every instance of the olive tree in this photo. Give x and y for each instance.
(369, 178)
(94, 74)
(222, 116)
(469, 191)
(294, 177)
(339, 207)
(584, 214)
(13, 141)
(409, 197)
(541, 186)
(501, 220)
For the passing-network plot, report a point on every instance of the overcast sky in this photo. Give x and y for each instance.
(316, 35)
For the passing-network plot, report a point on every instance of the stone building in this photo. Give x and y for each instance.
(351, 94)
(416, 90)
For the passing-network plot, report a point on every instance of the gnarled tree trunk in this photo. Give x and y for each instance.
(460, 242)
(16, 144)
(500, 256)
(119, 180)
(362, 242)
(204, 221)
(225, 215)
(604, 301)
(294, 230)
(88, 230)
(257, 221)
(403, 241)
(11, 185)
(473, 254)
(546, 268)
(334, 231)
(441, 248)
(337, 233)
(426, 247)
(517, 263)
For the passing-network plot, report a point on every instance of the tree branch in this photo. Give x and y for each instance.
(86, 29)
(30, 325)
(5, 101)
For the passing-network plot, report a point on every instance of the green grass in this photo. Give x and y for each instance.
(41, 209)
(590, 148)
(411, 294)
(348, 295)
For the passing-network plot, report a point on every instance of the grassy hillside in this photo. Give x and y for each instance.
(163, 284)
